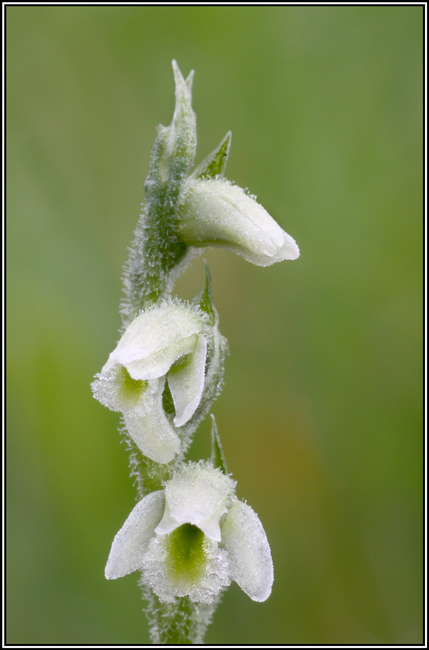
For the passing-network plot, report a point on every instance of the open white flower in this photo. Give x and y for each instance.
(193, 538)
(217, 213)
(166, 342)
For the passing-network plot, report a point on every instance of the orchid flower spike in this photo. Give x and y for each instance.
(168, 342)
(193, 538)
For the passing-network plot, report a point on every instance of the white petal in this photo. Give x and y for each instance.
(155, 340)
(217, 213)
(132, 541)
(158, 364)
(210, 527)
(148, 426)
(249, 553)
(187, 384)
(167, 523)
(197, 495)
(105, 388)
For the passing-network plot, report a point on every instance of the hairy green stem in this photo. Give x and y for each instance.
(182, 622)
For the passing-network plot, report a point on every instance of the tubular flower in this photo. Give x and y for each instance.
(169, 343)
(193, 538)
(217, 213)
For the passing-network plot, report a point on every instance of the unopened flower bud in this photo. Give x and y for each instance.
(217, 213)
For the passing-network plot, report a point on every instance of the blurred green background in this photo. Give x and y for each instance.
(321, 414)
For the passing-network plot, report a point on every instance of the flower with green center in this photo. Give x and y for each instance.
(193, 538)
(167, 342)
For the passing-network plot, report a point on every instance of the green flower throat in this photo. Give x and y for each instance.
(186, 549)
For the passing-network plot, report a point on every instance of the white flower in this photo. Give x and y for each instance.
(193, 538)
(166, 342)
(218, 213)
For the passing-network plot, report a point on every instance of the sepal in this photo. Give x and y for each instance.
(244, 538)
(132, 541)
(217, 349)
